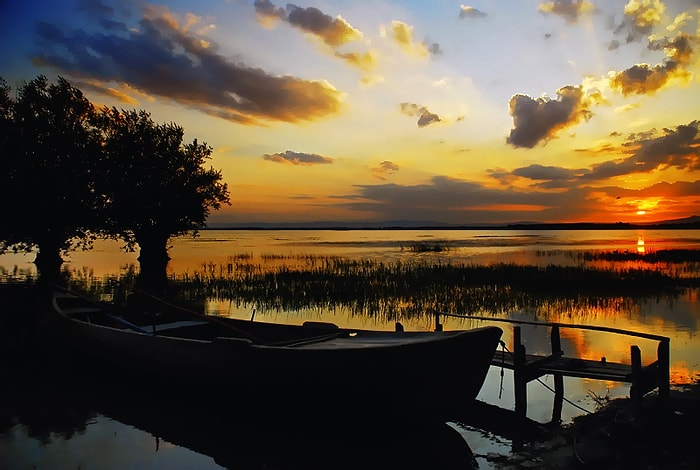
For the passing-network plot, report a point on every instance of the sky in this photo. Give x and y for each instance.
(485, 112)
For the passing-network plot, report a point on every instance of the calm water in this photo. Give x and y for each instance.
(113, 441)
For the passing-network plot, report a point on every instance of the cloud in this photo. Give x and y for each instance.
(613, 45)
(297, 158)
(366, 61)
(124, 95)
(402, 33)
(162, 58)
(457, 201)
(679, 148)
(539, 119)
(385, 169)
(645, 79)
(641, 17)
(470, 12)
(552, 176)
(644, 152)
(425, 117)
(268, 13)
(332, 32)
(570, 10)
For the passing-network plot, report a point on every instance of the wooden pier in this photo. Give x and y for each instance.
(528, 367)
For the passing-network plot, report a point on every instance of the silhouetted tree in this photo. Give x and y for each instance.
(50, 149)
(158, 187)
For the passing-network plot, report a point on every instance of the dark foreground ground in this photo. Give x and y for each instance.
(622, 435)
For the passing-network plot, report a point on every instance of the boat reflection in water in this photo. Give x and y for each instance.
(55, 416)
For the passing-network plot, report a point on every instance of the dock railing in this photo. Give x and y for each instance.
(527, 367)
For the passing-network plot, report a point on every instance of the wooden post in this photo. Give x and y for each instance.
(664, 371)
(636, 353)
(438, 325)
(519, 374)
(558, 378)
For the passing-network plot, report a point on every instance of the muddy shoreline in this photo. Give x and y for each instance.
(622, 434)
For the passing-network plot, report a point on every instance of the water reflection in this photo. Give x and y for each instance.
(56, 417)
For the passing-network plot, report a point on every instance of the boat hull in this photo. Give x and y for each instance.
(437, 371)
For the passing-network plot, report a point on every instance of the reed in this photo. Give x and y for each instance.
(395, 290)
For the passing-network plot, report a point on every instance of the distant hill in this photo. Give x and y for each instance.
(692, 222)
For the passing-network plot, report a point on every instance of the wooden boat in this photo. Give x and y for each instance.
(438, 369)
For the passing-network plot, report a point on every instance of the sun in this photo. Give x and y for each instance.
(640, 212)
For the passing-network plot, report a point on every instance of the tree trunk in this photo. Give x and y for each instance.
(153, 260)
(48, 261)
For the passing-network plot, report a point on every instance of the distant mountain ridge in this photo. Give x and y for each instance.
(692, 222)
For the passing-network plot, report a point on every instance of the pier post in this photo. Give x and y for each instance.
(636, 353)
(558, 378)
(438, 325)
(664, 369)
(519, 374)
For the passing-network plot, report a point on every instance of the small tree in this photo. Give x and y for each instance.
(158, 188)
(49, 155)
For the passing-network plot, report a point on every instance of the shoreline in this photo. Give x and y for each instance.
(621, 434)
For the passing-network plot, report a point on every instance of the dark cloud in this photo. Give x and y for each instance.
(470, 12)
(644, 152)
(645, 79)
(613, 45)
(679, 148)
(460, 202)
(433, 48)
(385, 169)
(425, 117)
(96, 10)
(160, 58)
(333, 32)
(640, 20)
(265, 9)
(297, 158)
(553, 177)
(539, 119)
(465, 202)
(570, 10)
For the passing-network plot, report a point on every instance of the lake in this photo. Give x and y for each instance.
(101, 437)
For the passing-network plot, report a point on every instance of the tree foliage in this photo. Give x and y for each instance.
(50, 151)
(158, 187)
(72, 173)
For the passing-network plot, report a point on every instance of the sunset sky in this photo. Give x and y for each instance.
(484, 112)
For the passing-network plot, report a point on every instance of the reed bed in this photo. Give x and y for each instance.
(396, 290)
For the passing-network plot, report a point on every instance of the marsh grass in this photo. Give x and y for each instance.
(395, 290)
